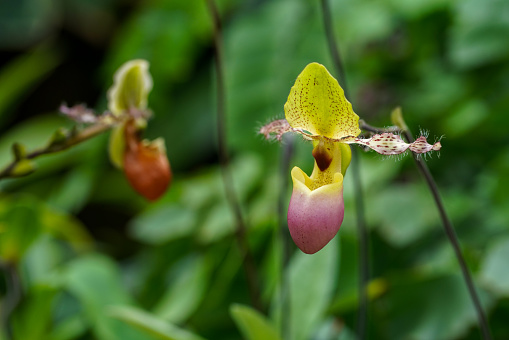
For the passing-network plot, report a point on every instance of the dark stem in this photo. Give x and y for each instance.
(71, 140)
(363, 250)
(366, 127)
(333, 47)
(284, 236)
(240, 230)
(359, 200)
(12, 298)
(453, 239)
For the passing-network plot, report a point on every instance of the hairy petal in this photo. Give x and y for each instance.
(79, 113)
(317, 104)
(314, 216)
(276, 128)
(391, 144)
(421, 145)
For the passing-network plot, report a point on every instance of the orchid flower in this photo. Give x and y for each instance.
(318, 110)
(144, 162)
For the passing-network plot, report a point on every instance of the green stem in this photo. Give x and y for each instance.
(451, 235)
(241, 230)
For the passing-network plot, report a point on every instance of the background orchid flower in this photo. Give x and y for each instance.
(144, 162)
(318, 110)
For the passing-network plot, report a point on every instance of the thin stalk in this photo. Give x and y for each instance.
(13, 297)
(333, 47)
(451, 235)
(363, 250)
(359, 199)
(366, 127)
(284, 236)
(241, 230)
(71, 140)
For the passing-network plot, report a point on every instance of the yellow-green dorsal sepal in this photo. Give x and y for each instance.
(317, 104)
(131, 85)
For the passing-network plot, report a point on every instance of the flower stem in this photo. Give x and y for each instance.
(359, 199)
(333, 47)
(13, 296)
(284, 236)
(241, 230)
(362, 233)
(366, 127)
(449, 231)
(72, 139)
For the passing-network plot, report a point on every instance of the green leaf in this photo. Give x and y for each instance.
(40, 265)
(23, 219)
(466, 118)
(188, 287)
(403, 213)
(332, 328)
(32, 319)
(360, 22)
(478, 36)
(419, 8)
(71, 328)
(218, 223)
(312, 281)
(247, 171)
(347, 292)
(150, 325)
(163, 225)
(66, 227)
(95, 281)
(252, 324)
(494, 273)
(73, 190)
(201, 190)
(444, 308)
(20, 225)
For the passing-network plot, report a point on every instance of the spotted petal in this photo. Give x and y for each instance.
(317, 104)
(390, 144)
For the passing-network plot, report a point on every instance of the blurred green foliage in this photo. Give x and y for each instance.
(95, 261)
